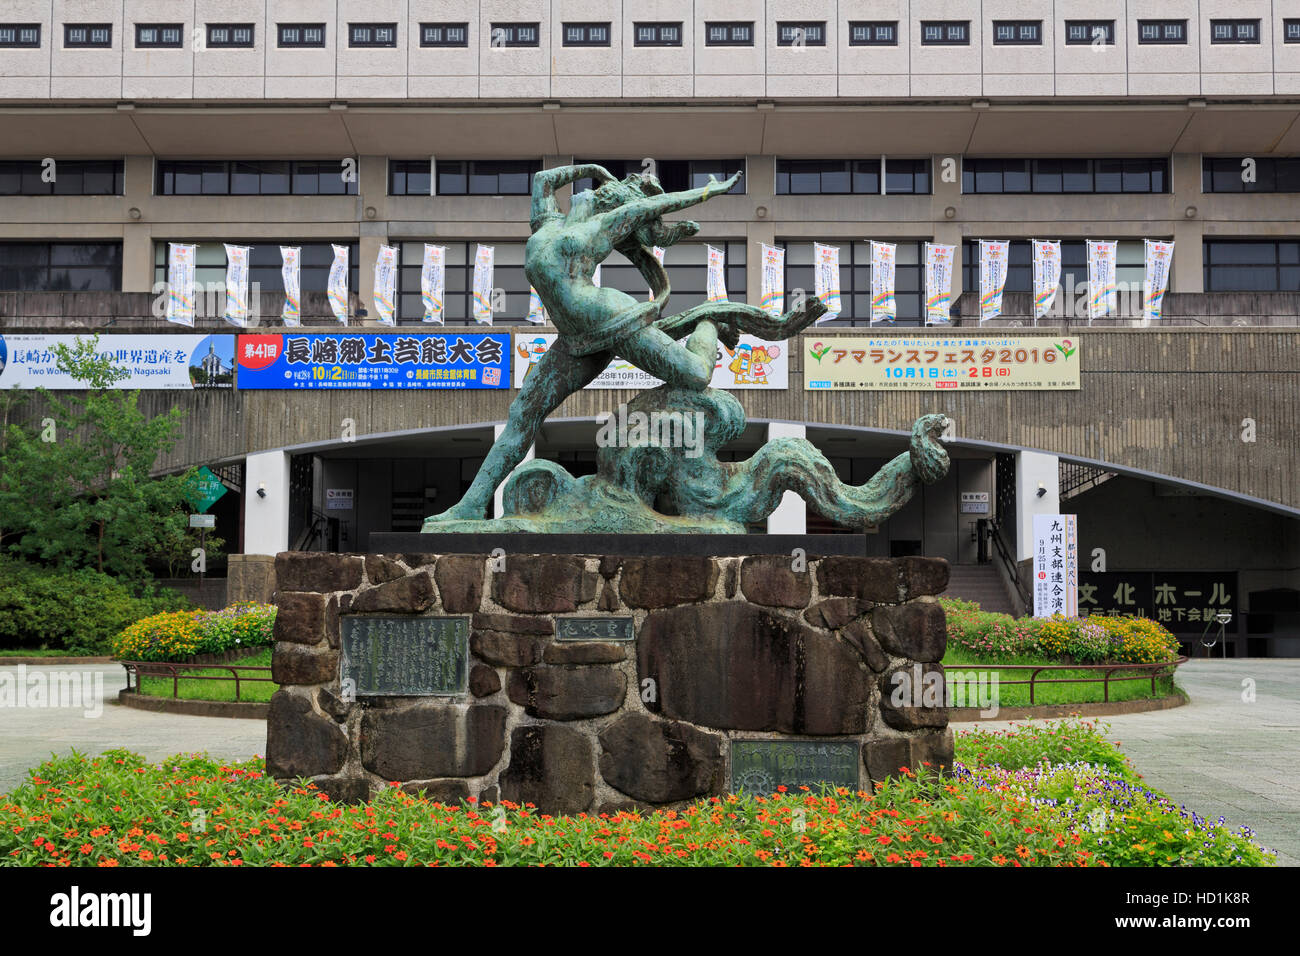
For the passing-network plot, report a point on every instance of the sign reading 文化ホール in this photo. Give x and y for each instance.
(205, 489)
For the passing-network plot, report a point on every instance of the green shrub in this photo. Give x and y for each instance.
(77, 611)
(170, 637)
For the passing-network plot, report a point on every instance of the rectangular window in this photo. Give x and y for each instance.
(20, 35)
(159, 35)
(1162, 31)
(87, 35)
(729, 34)
(479, 177)
(1065, 175)
(264, 264)
(1017, 32)
(444, 34)
(515, 34)
(675, 175)
(259, 177)
(60, 266)
(586, 34)
(1234, 31)
(1086, 32)
(408, 177)
(657, 34)
(72, 177)
(855, 176)
(873, 33)
(302, 34)
(372, 34)
(801, 34)
(1291, 31)
(945, 32)
(230, 35)
(1251, 265)
(1263, 174)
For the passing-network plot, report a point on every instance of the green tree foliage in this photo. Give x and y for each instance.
(75, 485)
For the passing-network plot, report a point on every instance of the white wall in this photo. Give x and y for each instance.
(791, 515)
(266, 520)
(1033, 468)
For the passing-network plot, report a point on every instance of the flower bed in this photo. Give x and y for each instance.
(180, 635)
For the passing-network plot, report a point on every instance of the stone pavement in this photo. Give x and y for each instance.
(1220, 755)
(29, 735)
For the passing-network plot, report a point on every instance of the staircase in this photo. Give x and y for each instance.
(980, 583)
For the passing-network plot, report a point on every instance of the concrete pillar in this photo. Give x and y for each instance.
(497, 508)
(791, 515)
(760, 190)
(137, 237)
(942, 195)
(1034, 469)
(1187, 273)
(266, 519)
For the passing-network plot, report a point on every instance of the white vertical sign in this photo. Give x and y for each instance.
(938, 283)
(1101, 277)
(658, 253)
(826, 278)
(483, 262)
(433, 282)
(536, 310)
(236, 286)
(717, 286)
(1056, 565)
(1047, 274)
(883, 303)
(595, 276)
(385, 296)
(772, 297)
(993, 276)
(291, 273)
(180, 283)
(338, 284)
(1159, 255)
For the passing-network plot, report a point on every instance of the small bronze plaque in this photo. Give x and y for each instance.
(594, 629)
(760, 766)
(404, 656)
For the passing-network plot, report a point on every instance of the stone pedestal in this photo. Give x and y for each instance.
(740, 671)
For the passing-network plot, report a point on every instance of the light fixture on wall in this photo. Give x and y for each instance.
(261, 490)
(1042, 489)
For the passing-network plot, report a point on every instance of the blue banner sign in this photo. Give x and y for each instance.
(385, 360)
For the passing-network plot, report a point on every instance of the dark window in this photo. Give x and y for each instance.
(1234, 31)
(408, 177)
(302, 34)
(873, 33)
(843, 177)
(945, 32)
(1017, 32)
(1266, 174)
(444, 34)
(675, 175)
(1090, 31)
(729, 34)
(1291, 31)
(1162, 31)
(657, 34)
(88, 34)
(20, 34)
(71, 178)
(480, 177)
(855, 279)
(1252, 265)
(801, 34)
(372, 34)
(264, 264)
(256, 178)
(61, 266)
(515, 34)
(155, 35)
(903, 176)
(586, 34)
(1065, 175)
(230, 35)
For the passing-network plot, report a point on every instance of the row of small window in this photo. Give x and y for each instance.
(477, 177)
(147, 35)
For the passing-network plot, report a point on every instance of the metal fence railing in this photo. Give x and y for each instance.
(1152, 672)
(179, 672)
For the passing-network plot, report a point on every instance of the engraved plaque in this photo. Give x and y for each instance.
(613, 629)
(405, 656)
(760, 766)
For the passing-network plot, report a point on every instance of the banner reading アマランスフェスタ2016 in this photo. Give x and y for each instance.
(926, 363)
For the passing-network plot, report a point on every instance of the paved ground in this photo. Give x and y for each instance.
(1223, 756)
(29, 735)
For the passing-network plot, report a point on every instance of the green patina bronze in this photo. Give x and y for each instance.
(670, 452)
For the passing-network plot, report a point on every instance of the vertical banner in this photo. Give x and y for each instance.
(385, 295)
(1047, 274)
(180, 283)
(536, 311)
(338, 284)
(772, 297)
(883, 305)
(1056, 565)
(483, 261)
(236, 286)
(826, 278)
(717, 287)
(1101, 277)
(291, 273)
(658, 253)
(595, 276)
(938, 283)
(993, 276)
(1159, 255)
(433, 282)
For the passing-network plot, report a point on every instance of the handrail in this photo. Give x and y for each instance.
(1009, 564)
(170, 669)
(1155, 668)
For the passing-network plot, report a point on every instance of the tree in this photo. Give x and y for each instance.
(75, 485)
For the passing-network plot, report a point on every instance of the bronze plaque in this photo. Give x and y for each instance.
(404, 656)
(612, 629)
(760, 766)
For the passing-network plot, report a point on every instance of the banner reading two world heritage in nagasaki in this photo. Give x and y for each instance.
(183, 361)
(387, 360)
(926, 363)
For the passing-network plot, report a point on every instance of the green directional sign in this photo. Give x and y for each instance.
(205, 489)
